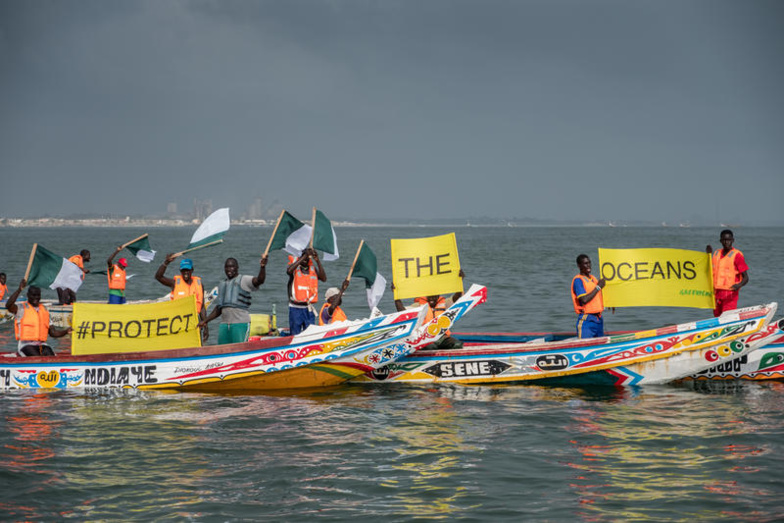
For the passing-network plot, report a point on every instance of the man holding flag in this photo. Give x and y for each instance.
(233, 303)
(304, 274)
(117, 277)
(184, 285)
(67, 296)
(31, 323)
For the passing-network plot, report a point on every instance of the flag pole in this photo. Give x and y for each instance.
(134, 241)
(356, 257)
(30, 262)
(216, 242)
(274, 231)
(313, 228)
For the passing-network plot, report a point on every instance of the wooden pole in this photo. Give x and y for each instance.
(313, 227)
(274, 231)
(356, 257)
(134, 240)
(30, 261)
(216, 242)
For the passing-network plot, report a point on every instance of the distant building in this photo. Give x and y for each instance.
(255, 209)
(201, 208)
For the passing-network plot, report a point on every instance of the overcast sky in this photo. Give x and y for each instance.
(663, 110)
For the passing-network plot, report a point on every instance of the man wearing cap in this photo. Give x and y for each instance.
(331, 312)
(116, 275)
(184, 285)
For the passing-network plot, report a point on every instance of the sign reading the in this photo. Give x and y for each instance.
(425, 266)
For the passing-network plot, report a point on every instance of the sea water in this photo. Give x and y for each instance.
(401, 452)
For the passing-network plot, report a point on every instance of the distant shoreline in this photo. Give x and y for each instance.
(27, 223)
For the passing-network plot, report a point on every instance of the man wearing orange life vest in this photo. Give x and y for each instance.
(31, 323)
(3, 287)
(68, 296)
(184, 285)
(331, 312)
(117, 277)
(587, 300)
(730, 273)
(436, 304)
(304, 274)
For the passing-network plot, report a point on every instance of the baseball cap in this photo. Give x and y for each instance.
(123, 262)
(186, 263)
(332, 291)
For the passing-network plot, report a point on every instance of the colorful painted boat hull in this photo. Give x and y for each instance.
(649, 357)
(766, 363)
(270, 364)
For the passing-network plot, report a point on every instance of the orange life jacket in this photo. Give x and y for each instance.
(725, 275)
(338, 315)
(183, 290)
(79, 261)
(116, 278)
(304, 288)
(432, 312)
(3, 290)
(596, 305)
(31, 324)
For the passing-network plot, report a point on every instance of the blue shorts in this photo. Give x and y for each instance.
(590, 326)
(116, 300)
(300, 318)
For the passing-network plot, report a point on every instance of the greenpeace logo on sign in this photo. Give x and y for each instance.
(552, 362)
(467, 368)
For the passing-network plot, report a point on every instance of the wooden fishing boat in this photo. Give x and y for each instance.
(766, 363)
(273, 363)
(637, 358)
(318, 357)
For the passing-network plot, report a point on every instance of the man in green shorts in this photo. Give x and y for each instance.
(233, 303)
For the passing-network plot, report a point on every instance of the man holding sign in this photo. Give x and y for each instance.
(730, 273)
(425, 269)
(587, 300)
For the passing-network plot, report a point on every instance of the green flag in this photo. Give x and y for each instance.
(366, 267)
(52, 270)
(141, 249)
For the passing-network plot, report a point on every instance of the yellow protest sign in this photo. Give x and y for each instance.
(425, 266)
(656, 277)
(100, 328)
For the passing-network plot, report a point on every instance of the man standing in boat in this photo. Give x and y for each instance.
(184, 285)
(304, 274)
(31, 323)
(117, 278)
(233, 303)
(3, 287)
(730, 273)
(587, 300)
(68, 296)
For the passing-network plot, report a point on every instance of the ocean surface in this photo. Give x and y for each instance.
(396, 452)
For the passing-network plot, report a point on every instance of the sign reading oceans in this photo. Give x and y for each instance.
(426, 266)
(103, 328)
(656, 277)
